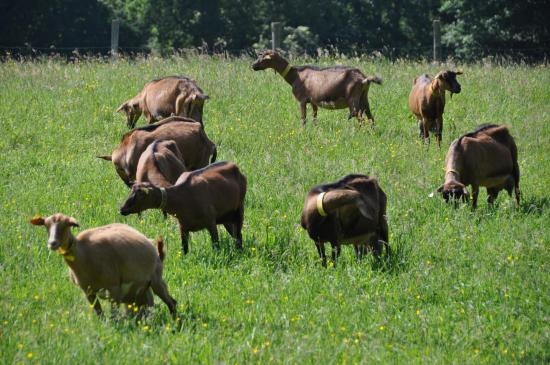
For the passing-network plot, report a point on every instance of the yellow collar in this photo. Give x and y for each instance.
(285, 71)
(320, 204)
(65, 253)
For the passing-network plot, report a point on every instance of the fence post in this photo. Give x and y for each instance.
(114, 37)
(437, 40)
(275, 35)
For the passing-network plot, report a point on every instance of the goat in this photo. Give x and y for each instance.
(165, 97)
(351, 210)
(331, 87)
(160, 164)
(427, 101)
(199, 200)
(114, 260)
(486, 157)
(189, 136)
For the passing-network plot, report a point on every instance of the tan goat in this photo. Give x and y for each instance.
(350, 211)
(330, 88)
(427, 101)
(486, 157)
(113, 261)
(189, 136)
(162, 98)
(200, 200)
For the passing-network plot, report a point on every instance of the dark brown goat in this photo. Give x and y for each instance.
(331, 88)
(200, 200)
(427, 101)
(486, 157)
(162, 98)
(350, 211)
(114, 260)
(189, 136)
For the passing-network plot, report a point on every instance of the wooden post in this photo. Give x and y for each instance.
(437, 40)
(275, 35)
(114, 37)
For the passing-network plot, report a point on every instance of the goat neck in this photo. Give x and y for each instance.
(436, 90)
(174, 197)
(284, 69)
(453, 167)
(69, 252)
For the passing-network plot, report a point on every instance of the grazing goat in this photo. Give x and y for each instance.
(331, 87)
(189, 136)
(162, 98)
(160, 164)
(352, 210)
(200, 199)
(427, 101)
(114, 260)
(486, 157)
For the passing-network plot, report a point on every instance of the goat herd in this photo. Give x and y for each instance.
(166, 164)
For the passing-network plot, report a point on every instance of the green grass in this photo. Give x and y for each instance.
(463, 287)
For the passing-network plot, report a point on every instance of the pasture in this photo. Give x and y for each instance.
(461, 287)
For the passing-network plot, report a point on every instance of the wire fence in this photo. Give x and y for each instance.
(425, 52)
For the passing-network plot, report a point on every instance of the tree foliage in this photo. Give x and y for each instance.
(471, 29)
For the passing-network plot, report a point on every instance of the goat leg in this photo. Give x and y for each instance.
(475, 193)
(426, 131)
(439, 126)
(184, 240)
(315, 108)
(335, 252)
(213, 230)
(321, 250)
(303, 111)
(161, 290)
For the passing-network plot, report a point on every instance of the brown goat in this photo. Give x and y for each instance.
(114, 260)
(331, 87)
(162, 98)
(189, 136)
(427, 101)
(200, 200)
(486, 157)
(350, 211)
(160, 164)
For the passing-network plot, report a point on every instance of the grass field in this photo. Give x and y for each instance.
(462, 287)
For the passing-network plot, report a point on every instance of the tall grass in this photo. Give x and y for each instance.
(463, 287)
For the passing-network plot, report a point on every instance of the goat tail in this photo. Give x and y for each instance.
(106, 158)
(375, 79)
(214, 154)
(160, 248)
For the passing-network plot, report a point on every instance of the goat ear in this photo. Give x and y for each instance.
(37, 220)
(440, 189)
(458, 72)
(73, 222)
(106, 158)
(267, 57)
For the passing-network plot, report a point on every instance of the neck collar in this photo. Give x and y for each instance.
(285, 71)
(66, 252)
(320, 209)
(452, 171)
(164, 198)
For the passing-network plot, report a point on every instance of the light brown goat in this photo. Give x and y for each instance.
(331, 87)
(200, 200)
(427, 101)
(113, 261)
(486, 157)
(350, 211)
(162, 98)
(189, 136)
